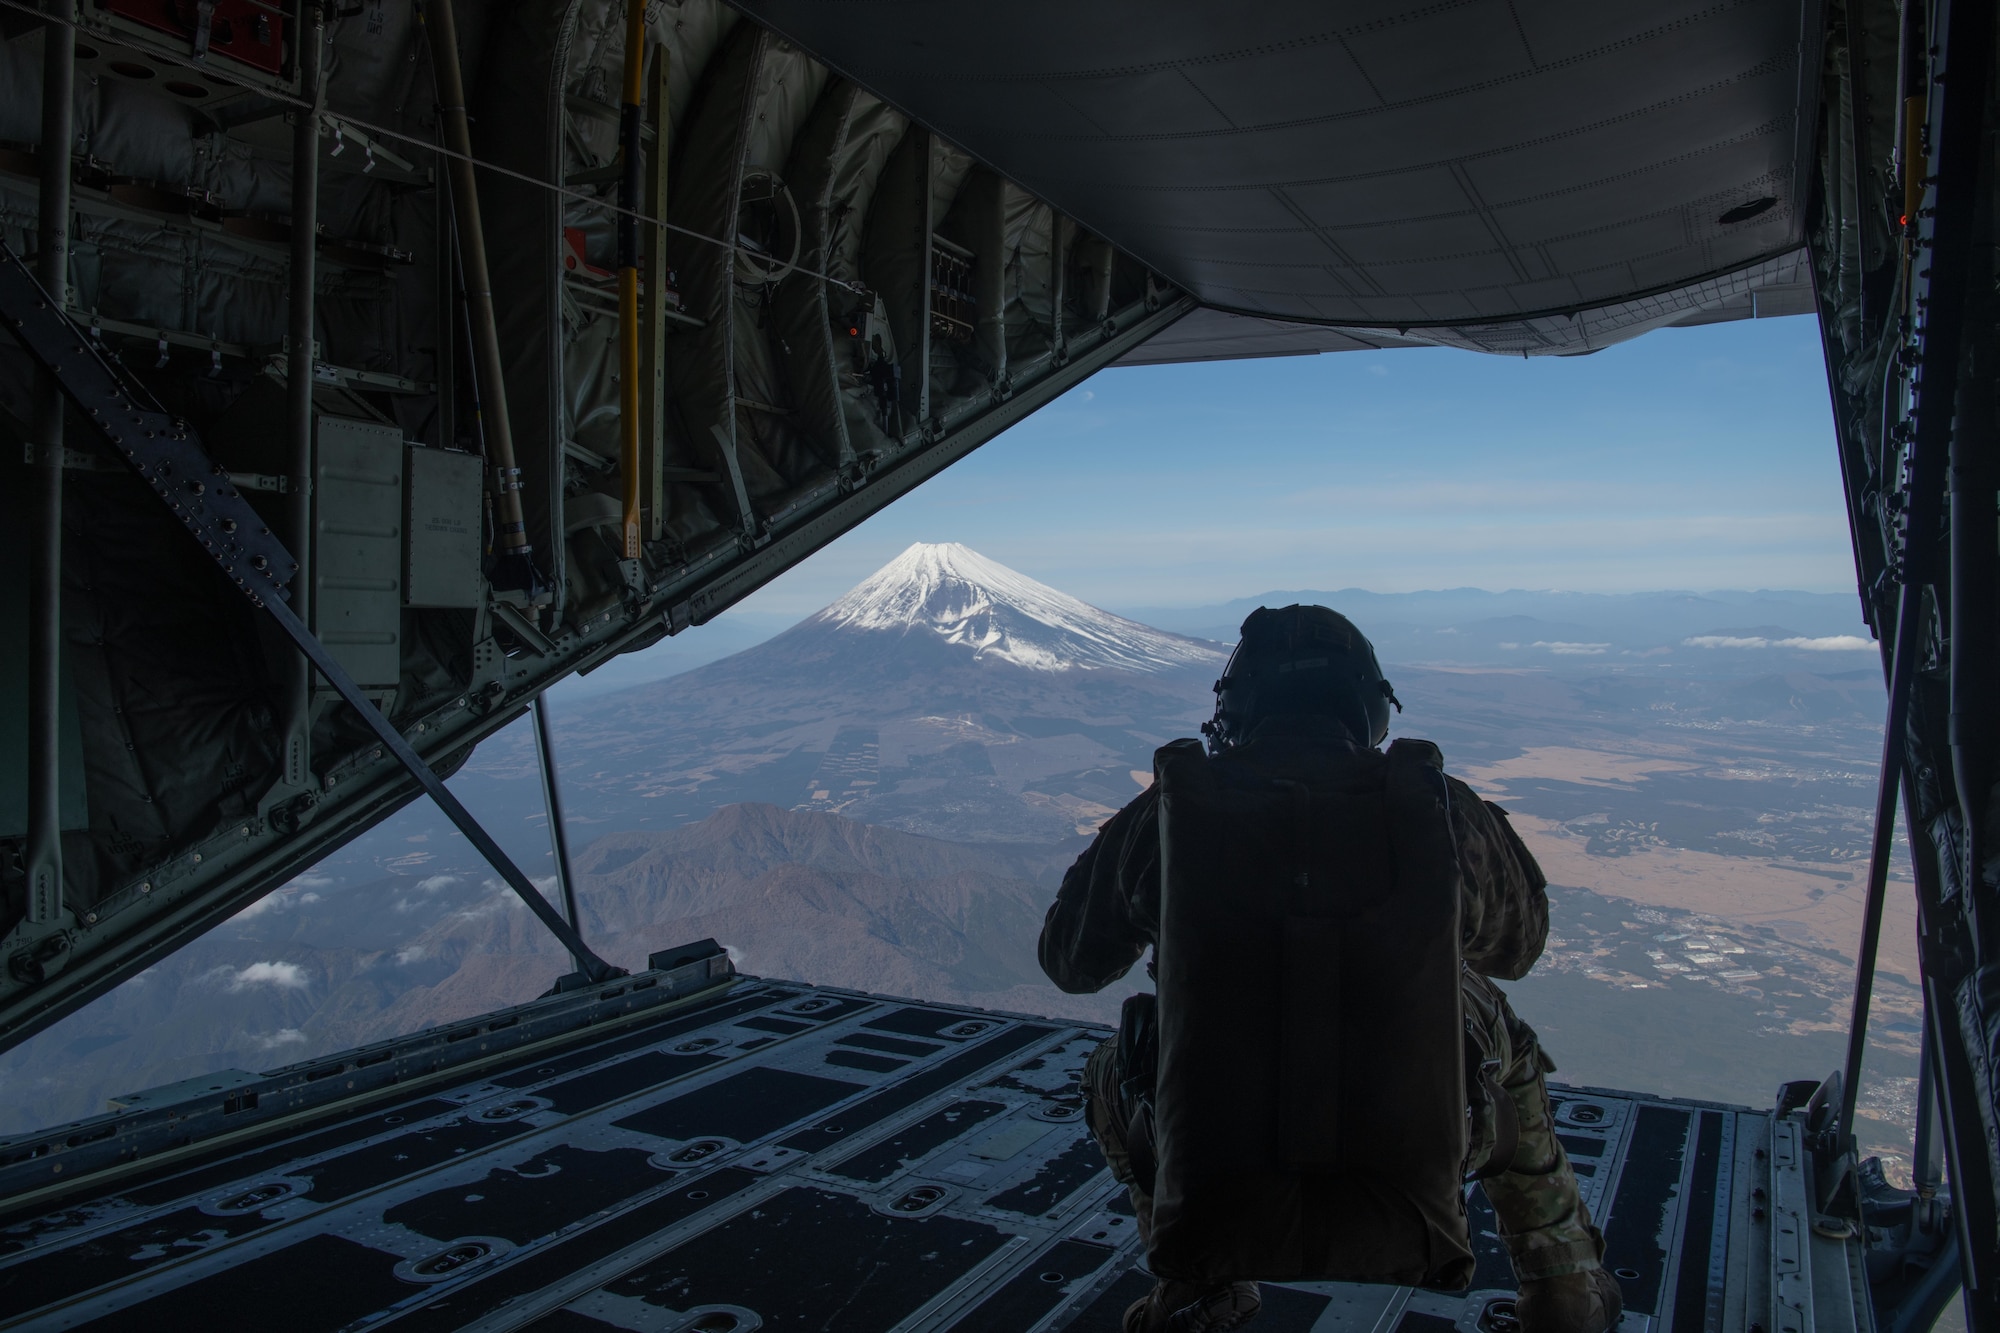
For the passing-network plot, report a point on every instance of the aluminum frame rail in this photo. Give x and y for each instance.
(168, 456)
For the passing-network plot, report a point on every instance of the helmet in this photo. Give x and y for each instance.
(1300, 659)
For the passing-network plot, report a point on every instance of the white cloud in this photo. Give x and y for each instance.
(281, 900)
(435, 883)
(498, 899)
(1561, 649)
(1829, 643)
(282, 1037)
(416, 953)
(285, 976)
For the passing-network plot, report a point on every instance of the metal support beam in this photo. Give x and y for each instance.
(1058, 293)
(168, 455)
(545, 752)
(44, 850)
(653, 308)
(1895, 736)
(448, 317)
(632, 167)
(926, 218)
(295, 726)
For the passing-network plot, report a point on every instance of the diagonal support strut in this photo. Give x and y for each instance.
(168, 455)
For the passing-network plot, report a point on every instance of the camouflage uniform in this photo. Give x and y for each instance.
(1107, 914)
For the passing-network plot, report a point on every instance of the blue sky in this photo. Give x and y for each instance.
(1689, 458)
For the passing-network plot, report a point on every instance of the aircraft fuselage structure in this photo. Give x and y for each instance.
(377, 367)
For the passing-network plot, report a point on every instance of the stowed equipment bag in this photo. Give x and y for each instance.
(1310, 1105)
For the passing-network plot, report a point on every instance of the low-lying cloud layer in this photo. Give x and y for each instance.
(1830, 643)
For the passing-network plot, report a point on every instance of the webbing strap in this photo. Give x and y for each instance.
(1506, 1125)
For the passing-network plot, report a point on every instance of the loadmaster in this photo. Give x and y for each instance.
(1327, 1061)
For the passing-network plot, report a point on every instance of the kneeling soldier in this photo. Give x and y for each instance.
(1328, 1060)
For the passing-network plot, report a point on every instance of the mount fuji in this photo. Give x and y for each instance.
(971, 602)
(945, 694)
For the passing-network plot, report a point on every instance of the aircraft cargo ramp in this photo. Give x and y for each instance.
(690, 1150)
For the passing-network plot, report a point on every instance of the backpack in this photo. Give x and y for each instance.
(1309, 1117)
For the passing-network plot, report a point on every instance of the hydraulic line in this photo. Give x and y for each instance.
(628, 266)
(44, 850)
(295, 729)
(514, 565)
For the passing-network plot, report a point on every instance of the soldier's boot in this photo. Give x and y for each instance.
(1194, 1307)
(1586, 1302)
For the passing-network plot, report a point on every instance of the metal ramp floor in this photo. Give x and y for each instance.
(680, 1151)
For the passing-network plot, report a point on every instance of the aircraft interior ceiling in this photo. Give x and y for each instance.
(609, 316)
(1388, 165)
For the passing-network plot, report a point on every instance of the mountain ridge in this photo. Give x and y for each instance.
(945, 694)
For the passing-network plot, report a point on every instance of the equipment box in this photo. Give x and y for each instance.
(358, 548)
(441, 507)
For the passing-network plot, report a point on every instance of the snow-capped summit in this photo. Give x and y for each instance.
(966, 599)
